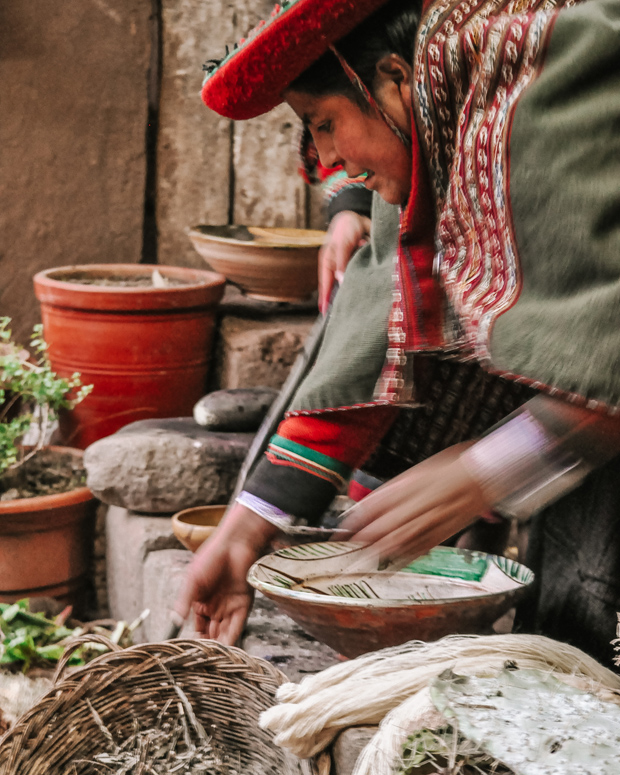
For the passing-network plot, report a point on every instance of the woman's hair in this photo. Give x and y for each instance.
(390, 30)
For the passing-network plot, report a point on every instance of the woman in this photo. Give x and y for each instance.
(498, 138)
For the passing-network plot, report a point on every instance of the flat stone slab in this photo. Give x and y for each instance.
(273, 636)
(163, 466)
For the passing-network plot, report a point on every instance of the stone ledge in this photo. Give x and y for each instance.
(130, 538)
(238, 304)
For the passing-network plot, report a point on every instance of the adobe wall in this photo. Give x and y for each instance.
(73, 97)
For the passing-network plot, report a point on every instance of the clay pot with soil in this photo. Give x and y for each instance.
(140, 335)
(46, 539)
(46, 511)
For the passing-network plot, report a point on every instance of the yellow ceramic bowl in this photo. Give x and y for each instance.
(193, 526)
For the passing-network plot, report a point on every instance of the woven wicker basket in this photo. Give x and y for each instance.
(225, 688)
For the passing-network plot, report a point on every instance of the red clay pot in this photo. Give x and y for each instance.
(146, 350)
(45, 544)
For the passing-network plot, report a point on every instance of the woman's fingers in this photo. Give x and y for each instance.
(440, 479)
(326, 276)
(417, 536)
(232, 629)
(347, 231)
(399, 492)
(183, 603)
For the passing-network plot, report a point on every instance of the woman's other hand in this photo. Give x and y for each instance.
(419, 509)
(215, 587)
(347, 232)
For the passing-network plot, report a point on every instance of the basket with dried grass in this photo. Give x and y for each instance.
(182, 706)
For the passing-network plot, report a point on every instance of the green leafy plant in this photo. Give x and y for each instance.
(445, 751)
(32, 639)
(31, 395)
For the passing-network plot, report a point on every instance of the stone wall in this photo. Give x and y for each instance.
(210, 170)
(107, 153)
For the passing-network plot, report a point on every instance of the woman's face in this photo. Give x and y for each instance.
(359, 141)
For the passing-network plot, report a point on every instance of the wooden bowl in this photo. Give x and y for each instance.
(193, 526)
(347, 601)
(267, 264)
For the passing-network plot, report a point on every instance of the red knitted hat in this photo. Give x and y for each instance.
(250, 80)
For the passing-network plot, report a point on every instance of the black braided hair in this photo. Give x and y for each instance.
(390, 30)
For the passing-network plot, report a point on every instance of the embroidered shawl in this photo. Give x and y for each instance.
(517, 114)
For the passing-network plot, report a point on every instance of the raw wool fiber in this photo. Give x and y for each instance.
(364, 690)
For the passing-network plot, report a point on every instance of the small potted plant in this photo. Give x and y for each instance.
(46, 511)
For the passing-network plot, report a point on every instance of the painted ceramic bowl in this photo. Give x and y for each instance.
(193, 526)
(346, 601)
(267, 264)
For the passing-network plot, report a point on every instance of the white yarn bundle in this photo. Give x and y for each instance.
(364, 690)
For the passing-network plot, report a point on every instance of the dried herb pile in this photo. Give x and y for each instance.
(176, 745)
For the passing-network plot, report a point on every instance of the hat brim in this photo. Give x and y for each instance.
(250, 81)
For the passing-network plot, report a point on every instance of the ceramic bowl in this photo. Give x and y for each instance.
(193, 526)
(343, 599)
(267, 264)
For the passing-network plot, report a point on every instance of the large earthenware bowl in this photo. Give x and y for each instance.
(267, 264)
(346, 601)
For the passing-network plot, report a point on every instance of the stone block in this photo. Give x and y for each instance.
(348, 746)
(268, 188)
(73, 161)
(163, 573)
(166, 465)
(130, 539)
(194, 144)
(254, 353)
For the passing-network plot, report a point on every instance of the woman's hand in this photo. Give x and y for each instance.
(346, 233)
(418, 509)
(215, 587)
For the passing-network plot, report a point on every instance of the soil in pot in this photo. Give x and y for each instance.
(46, 473)
(123, 281)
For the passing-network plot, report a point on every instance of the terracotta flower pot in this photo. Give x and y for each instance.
(144, 349)
(45, 544)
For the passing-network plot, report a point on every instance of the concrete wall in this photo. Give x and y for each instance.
(101, 123)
